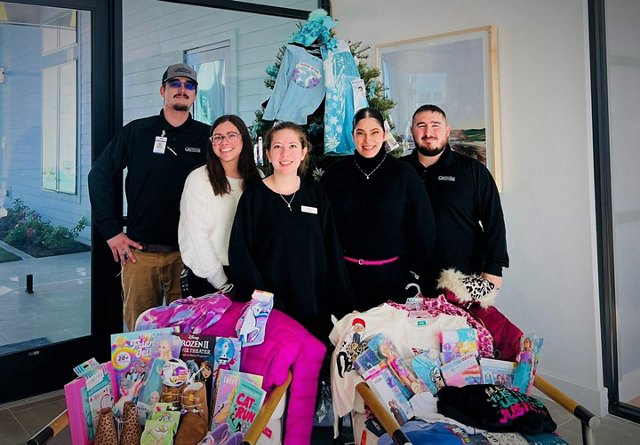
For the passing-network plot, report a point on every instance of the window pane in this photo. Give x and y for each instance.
(50, 128)
(209, 63)
(67, 128)
(44, 250)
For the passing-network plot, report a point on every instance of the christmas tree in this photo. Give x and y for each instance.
(315, 36)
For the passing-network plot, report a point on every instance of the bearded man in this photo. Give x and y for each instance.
(470, 228)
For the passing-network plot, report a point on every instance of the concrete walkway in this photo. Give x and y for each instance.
(60, 306)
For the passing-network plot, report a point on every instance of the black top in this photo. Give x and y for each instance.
(154, 181)
(294, 254)
(469, 219)
(379, 218)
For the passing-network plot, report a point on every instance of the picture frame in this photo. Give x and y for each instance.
(457, 71)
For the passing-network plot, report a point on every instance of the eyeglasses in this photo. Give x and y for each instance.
(175, 83)
(231, 138)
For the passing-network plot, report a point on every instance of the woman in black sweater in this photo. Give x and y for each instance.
(284, 239)
(383, 216)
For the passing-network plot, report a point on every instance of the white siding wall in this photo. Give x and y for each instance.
(21, 157)
(156, 34)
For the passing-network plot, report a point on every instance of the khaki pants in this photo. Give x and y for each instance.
(146, 282)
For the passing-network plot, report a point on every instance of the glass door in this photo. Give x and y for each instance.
(46, 140)
(623, 83)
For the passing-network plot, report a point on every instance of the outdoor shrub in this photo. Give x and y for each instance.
(25, 229)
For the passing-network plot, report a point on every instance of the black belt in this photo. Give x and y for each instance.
(159, 248)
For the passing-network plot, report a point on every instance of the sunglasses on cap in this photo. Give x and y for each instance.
(175, 83)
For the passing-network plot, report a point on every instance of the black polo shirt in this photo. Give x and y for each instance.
(470, 229)
(154, 180)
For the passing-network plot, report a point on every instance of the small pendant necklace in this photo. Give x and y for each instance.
(372, 171)
(288, 203)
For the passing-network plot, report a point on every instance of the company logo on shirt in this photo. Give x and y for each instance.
(447, 178)
(192, 149)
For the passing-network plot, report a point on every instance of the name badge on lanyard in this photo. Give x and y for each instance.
(160, 144)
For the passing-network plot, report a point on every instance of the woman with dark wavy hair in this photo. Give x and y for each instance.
(382, 213)
(208, 206)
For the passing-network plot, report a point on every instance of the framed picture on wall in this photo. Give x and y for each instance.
(457, 71)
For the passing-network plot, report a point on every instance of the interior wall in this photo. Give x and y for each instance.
(551, 288)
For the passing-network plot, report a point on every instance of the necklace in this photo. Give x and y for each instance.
(372, 171)
(288, 203)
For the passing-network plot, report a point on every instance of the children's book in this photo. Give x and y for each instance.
(85, 397)
(245, 406)
(454, 343)
(462, 371)
(130, 354)
(197, 352)
(227, 382)
(426, 365)
(227, 354)
(497, 372)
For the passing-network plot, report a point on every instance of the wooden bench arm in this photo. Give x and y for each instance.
(588, 421)
(385, 418)
(50, 430)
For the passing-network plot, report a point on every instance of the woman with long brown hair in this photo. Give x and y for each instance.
(209, 200)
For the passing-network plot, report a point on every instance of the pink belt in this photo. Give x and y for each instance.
(362, 262)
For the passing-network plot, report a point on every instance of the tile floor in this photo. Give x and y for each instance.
(22, 419)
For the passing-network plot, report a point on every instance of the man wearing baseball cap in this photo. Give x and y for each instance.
(158, 152)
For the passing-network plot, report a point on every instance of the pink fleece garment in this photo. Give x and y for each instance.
(287, 345)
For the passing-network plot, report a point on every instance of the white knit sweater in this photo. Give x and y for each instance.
(205, 226)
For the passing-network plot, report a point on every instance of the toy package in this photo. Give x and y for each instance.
(426, 365)
(462, 371)
(385, 349)
(454, 343)
(253, 321)
(367, 363)
(151, 389)
(527, 362)
(497, 372)
(385, 386)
